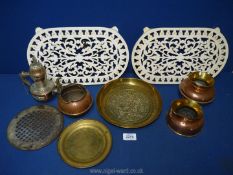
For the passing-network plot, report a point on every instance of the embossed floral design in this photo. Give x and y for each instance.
(128, 106)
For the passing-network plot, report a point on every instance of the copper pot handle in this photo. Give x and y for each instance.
(23, 75)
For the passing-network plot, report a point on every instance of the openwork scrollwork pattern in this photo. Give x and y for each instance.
(93, 55)
(167, 55)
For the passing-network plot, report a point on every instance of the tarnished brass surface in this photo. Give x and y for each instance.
(129, 103)
(185, 117)
(35, 127)
(42, 88)
(74, 100)
(199, 86)
(85, 143)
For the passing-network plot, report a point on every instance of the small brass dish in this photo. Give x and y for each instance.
(129, 103)
(85, 143)
(185, 117)
(199, 86)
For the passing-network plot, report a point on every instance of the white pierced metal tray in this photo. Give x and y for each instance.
(85, 55)
(167, 55)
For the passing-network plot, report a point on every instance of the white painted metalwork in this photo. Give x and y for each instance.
(85, 55)
(167, 55)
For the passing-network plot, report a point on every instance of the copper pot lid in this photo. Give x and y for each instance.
(129, 103)
(85, 143)
(35, 127)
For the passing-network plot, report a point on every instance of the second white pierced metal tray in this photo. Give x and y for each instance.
(167, 55)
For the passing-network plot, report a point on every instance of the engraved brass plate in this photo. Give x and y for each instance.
(129, 103)
(85, 143)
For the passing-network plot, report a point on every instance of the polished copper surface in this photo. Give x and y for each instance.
(185, 117)
(199, 86)
(74, 100)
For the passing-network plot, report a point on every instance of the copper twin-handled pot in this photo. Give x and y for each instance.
(185, 117)
(73, 99)
(198, 86)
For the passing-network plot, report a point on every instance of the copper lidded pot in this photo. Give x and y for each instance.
(185, 117)
(73, 99)
(198, 86)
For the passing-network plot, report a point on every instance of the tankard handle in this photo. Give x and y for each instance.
(23, 75)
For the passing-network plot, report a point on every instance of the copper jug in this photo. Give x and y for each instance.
(42, 88)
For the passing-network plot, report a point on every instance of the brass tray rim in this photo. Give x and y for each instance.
(75, 164)
(133, 125)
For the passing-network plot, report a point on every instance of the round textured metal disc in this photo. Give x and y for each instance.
(35, 127)
(129, 103)
(85, 143)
